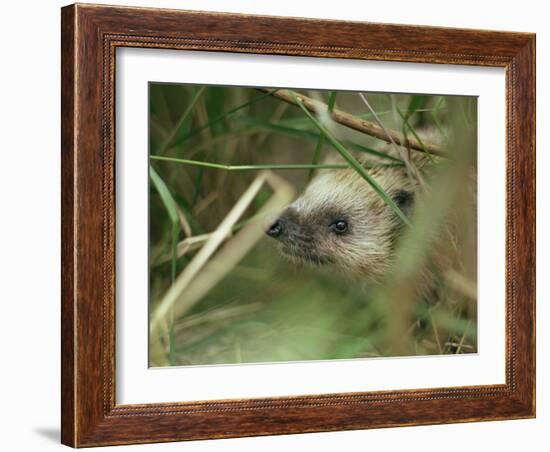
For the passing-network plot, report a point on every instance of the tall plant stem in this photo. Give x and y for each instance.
(353, 122)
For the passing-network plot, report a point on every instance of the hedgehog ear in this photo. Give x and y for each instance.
(404, 200)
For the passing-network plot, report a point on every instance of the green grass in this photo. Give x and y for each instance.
(172, 210)
(207, 146)
(321, 142)
(296, 166)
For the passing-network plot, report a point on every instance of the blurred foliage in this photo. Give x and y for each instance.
(267, 308)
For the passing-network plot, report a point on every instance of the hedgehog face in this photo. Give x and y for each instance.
(310, 236)
(340, 221)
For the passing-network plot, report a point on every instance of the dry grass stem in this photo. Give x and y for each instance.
(353, 122)
(185, 227)
(403, 153)
(461, 284)
(202, 273)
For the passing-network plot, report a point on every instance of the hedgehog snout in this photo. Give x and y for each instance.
(287, 227)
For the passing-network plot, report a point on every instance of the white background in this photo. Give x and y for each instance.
(135, 383)
(29, 119)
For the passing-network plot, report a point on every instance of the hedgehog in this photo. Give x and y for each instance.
(340, 222)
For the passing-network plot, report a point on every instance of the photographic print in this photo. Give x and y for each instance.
(296, 225)
(276, 225)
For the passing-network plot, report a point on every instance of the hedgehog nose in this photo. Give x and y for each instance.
(275, 230)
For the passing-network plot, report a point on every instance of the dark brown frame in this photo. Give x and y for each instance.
(90, 35)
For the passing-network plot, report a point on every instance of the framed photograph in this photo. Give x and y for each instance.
(282, 225)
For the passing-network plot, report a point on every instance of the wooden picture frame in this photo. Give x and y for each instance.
(90, 36)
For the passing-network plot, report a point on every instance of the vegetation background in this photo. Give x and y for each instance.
(222, 158)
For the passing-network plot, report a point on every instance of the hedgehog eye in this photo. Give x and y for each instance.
(404, 200)
(339, 227)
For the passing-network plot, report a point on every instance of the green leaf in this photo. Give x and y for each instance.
(182, 122)
(435, 114)
(278, 128)
(417, 103)
(284, 129)
(289, 166)
(321, 142)
(171, 208)
(221, 117)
